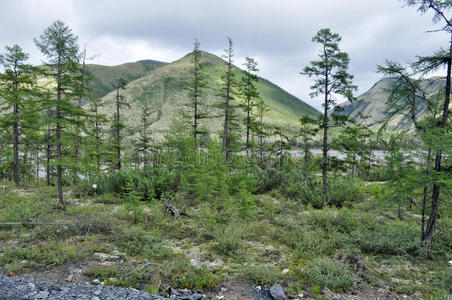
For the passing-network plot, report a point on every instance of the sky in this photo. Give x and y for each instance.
(277, 33)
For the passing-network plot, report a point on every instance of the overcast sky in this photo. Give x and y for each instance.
(277, 33)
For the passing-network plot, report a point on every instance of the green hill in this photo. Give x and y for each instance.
(164, 89)
(105, 77)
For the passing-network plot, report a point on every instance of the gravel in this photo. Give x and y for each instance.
(18, 288)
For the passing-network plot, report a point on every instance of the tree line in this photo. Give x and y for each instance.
(44, 121)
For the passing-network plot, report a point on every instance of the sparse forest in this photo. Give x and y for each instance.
(224, 192)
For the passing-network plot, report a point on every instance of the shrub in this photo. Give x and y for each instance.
(229, 240)
(326, 272)
(344, 191)
(397, 238)
(262, 275)
(182, 274)
(136, 241)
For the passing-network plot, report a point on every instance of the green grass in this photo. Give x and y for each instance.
(338, 248)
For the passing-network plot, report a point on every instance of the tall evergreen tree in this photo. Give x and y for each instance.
(331, 77)
(195, 88)
(228, 93)
(17, 89)
(60, 46)
(260, 129)
(97, 146)
(250, 93)
(144, 139)
(117, 124)
(425, 65)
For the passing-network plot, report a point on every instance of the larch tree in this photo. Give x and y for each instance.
(17, 89)
(424, 65)
(250, 93)
(195, 87)
(117, 124)
(260, 129)
(308, 130)
(60, 46)
(229, 94)
(144, 139)
(331, 78)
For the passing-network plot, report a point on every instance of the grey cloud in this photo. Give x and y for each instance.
(277, 32)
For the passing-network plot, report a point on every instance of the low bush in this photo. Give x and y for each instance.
(182, 274)
(136, 241)
(229, 240)
(326, 272)
(261, 275)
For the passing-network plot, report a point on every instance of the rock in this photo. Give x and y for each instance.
(70, 278)
(277, 292)
(300, 295)
(95, 298)
(105, 256)
(97, 292)
(32, 286)
(449, 262)
(336, 297)
(285, 271)
(42, 295)
(95, 282)
(327, 293)
(194, 263)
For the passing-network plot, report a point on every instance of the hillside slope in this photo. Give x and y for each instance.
(105, 77)
(372, 103)
(164, 89)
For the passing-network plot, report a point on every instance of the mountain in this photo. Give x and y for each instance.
(372, 103)
(164, 89)
(105, 77)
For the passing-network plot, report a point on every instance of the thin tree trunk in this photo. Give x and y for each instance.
(58, 137)
(118, 133)
(25, 163)
(195, 99)
(306, 161)
(97, 137)
(325, 144)
(226, 112)
(261, 140)
(431, 225)
(48, 154)
(78, 137)
(248, 123)
(424, 196)
(37, 165)
(16, 128)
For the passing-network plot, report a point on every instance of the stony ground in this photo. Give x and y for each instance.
(18, 288)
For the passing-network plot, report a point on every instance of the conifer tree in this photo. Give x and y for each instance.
(144, 139)
(260, 129)
(308, 130)
(195, 88)
(280, 145)
(440, 132)
(81, 92)
(60, 46)
(331, 77)
(229, 94)
(17, 90)
(95, 134)
(117, 124)
(250, 93)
